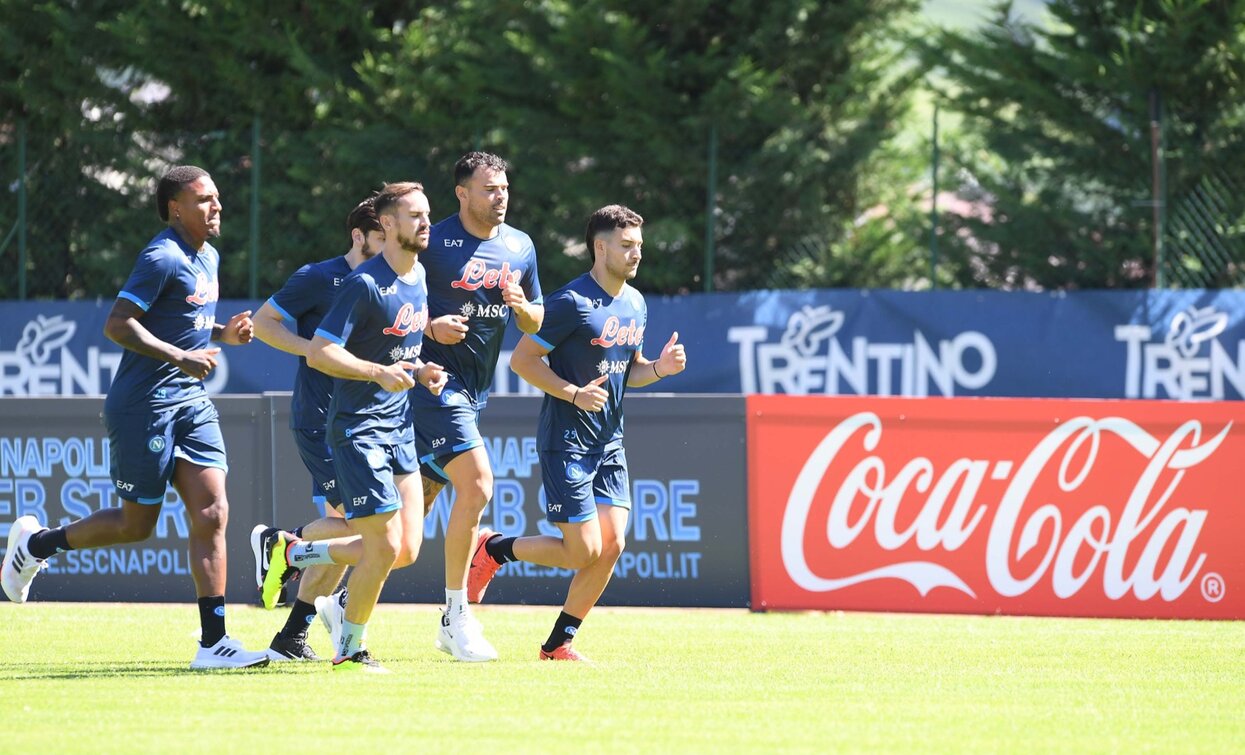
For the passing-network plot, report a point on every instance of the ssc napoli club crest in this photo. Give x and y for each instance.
(155, 444)
(574, 472)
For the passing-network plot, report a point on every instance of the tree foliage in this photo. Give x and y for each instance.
(593, 102)
(1056, 160)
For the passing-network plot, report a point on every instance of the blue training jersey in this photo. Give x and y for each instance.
(465, 277)
(589, 334)
(305, 300)
(379, 317)
(176, 287)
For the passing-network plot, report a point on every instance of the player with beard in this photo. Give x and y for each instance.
(370, 342)
(304, 300)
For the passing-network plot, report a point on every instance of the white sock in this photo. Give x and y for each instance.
(306, 553)
(455, 601)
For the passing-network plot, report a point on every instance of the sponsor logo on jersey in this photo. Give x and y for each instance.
(477, 274)
(615, 333)
(206, 291)
(408, 320)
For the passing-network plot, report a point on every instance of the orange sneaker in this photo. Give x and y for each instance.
(483, 567)
(564, 652)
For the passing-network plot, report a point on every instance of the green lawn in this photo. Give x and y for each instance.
(113, 678)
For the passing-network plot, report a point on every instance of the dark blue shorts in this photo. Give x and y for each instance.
(575, 483)
(445, 426)
(365, 472)
(317, 456)
(143, 448)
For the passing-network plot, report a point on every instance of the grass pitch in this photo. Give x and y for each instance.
(114, 678)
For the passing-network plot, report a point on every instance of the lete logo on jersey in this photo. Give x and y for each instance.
(206, 291)
(614, 333)
(408, 320)
(477, 274)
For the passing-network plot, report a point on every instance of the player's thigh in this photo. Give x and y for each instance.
(443, 432)
(141, 455)
(568, 480)
(582, 540)
(317, 456)
(365, 475)
(471, 471)
(611, 491)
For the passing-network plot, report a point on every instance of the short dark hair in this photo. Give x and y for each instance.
(172, 183)
(391, 193)
(363, 216)
(609, 218)
(466, 166)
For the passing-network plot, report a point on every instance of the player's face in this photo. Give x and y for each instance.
(197, 207)
(485, 196)
(412, 224)
(373, 244)
(623, 250)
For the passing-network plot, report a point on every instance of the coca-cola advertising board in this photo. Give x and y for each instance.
(1016, 506)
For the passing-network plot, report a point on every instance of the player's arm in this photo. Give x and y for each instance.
(334, 360)
(529, 316)
(528, 362)
(672, 361)
(271, 329)
(124, 329)
(238, 331)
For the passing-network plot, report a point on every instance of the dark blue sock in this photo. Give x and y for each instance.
(564, 630)
(212, 619)
(47, 543)
(501, 548)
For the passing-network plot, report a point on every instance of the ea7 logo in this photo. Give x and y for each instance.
(126, 486)
(358, 500)
(438, 442)
(454, 242)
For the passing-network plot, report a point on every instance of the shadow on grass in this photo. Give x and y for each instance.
(105, 670)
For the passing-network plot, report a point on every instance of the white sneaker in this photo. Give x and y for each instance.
(228, 653)
(20, 567)
(463, 637)
(332, 612)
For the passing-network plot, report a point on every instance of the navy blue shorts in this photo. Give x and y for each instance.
(365, 472)
(575, 483)
(445, 426)
(144, 448)
(317, 456)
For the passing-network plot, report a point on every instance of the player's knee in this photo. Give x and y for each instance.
(613, 547)
(476, 496)
(135, 529)
(585, 555)
(407, 553)
(211, 518)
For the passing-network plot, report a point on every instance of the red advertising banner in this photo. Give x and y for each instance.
(1017, 506)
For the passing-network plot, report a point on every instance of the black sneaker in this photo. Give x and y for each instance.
(361, 661)
(284, 648)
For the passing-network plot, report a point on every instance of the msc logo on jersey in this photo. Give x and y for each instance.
(612, 366)
(205, 291)
(575, 472)
(155, 444)
(399, 353)
(614, 333)
(408, 320)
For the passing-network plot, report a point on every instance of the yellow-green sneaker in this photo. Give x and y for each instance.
(272, 571)
(361, 662)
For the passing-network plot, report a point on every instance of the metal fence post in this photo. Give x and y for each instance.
(711, 196)
(1158, 181)
(253, 288)
(933, 209)
(21, 209)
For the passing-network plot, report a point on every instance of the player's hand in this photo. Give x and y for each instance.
(433, 377)
(592, 397)
(512, 294)
(447, 329)
(239, 330)
(395, 377)
(673, 359)
(199, 363)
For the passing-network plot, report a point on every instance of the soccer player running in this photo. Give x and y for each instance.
(304, 300)
(162, 427)
(480, 271)
(370, 342)
(592, 336)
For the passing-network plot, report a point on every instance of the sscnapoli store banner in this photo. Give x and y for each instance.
(1094, 344)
